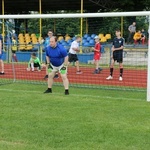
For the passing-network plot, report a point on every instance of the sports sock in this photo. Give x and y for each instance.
(32, 65)
(121, 72)
(111, 71)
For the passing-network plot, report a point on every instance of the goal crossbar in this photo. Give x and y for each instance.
(76, 15)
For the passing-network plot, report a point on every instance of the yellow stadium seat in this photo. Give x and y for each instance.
(21, 40)
(108, 36)
(101, 35)
(29, 47)
(103, 39)
(20, 35)
(60, 38)
(33, 34)
(21, 46)
(28, 41)
(26, 35)
(67, 38)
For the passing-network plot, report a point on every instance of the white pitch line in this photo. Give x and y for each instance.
(75, 95)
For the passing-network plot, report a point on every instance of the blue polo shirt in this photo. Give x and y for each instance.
(47, 42)
(56, 54)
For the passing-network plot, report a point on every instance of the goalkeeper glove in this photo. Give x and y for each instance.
(63, 70)
(50, 68)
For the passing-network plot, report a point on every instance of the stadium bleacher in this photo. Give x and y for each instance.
(30, 42)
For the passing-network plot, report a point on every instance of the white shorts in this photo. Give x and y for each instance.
(57, 69)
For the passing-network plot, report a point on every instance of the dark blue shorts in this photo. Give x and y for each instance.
(118, 57)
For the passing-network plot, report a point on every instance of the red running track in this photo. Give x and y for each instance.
(131, 77)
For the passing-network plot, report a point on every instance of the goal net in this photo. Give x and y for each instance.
(67, 27)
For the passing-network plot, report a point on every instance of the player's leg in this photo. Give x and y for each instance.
(2, 67)
(46, 70)
(2, 64)
(121, 71)
(32, 65)
(97, 71)
(129, 38)
(111, 70)
(51, 73)
(14, 56)
(65, 82)
(78, 67)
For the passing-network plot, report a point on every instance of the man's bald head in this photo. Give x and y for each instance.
(53, 41)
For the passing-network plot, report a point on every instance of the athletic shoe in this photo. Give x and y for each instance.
(120, 78)
(2, 73)
(32, 69)
(46, 76)
(66, 92)
(100, 69)
(79, 72)
(48, 91)
(56, 76)
(96, 71)
(109, 78)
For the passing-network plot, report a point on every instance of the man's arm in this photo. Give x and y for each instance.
(115, 49)
(66, 61)
(129, 28)
(47, 60)
(75, 49)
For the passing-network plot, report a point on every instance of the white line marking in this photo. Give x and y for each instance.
(76, 95)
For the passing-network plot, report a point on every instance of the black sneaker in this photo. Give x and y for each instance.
(48, 91)
(96, 71)
(2, 73)
(100, 69)
(46, 76)
(66, 92)
(56, 76)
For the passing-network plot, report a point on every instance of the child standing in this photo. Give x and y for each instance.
(97, 55)
(34, 62)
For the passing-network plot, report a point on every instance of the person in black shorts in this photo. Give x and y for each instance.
(72, 53)
(117, 55)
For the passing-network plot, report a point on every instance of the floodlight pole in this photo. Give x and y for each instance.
(148, 64)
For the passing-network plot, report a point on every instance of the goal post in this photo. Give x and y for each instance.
(91, 15)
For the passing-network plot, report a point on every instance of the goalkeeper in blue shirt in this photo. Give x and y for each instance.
(57, 61)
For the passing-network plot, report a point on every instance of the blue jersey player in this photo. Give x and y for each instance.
(117, 55)
(57, 61)
(46, 44)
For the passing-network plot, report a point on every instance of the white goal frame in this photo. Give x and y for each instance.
(90, 15)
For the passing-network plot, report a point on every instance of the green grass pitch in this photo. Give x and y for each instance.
(87, 119)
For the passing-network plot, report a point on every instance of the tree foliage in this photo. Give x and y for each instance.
(71, 26)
